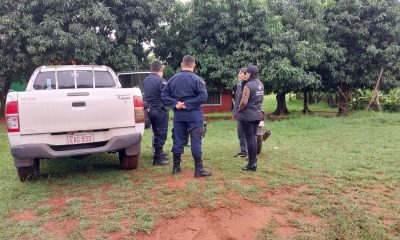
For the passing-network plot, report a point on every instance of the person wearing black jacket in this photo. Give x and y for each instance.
(249, 113)
(185, 93)
(157, 111)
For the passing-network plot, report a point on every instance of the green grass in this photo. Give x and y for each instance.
(269, 106)
(350, 166)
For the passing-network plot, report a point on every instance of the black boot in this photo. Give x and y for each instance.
(199, 170)
(164, 155)
(158, 158)
(251, 166)
(177, 164)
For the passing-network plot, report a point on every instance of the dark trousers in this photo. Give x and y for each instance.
(159, 124)
(195, 130)
(250, 132)
(241, 137)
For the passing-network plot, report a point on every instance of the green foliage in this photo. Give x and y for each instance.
(223, 35)
(361, 98)
(363, 37)
(362, 40)
(40, 32)
(392, 97)
(297, 47)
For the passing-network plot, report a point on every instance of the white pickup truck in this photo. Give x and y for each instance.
(73, 110)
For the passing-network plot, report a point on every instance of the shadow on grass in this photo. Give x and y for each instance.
(97, 164)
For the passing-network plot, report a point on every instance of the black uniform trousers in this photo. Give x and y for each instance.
(159, 125)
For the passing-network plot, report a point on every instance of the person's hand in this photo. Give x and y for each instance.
(234, 117)
(180, 105)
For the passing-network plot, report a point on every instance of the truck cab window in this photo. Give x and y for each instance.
(103, 79)
(65, 79)
(45, 81)
(84, 79)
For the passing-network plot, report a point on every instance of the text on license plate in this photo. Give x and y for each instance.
(79, 138)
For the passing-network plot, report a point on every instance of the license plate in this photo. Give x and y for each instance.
(80, 138)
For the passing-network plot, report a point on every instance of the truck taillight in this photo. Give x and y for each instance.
(12, 116)
(139, 109)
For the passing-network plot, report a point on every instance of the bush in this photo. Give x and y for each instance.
(390, 100)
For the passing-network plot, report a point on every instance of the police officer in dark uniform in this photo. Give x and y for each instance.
(249, 113)
(157, 111)
(185, 92)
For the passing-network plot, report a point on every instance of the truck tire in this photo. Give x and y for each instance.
(259, 143)
(30, 173)
(128, 162)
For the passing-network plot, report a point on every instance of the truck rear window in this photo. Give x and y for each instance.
(66, 80)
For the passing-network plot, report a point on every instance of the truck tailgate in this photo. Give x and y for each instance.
(69, 110)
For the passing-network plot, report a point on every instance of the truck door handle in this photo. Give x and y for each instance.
(77, 94)
(79, 104)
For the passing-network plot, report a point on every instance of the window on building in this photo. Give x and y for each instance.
(214, 98)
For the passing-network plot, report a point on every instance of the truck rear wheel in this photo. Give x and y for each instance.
(128, 162)
(30, 173)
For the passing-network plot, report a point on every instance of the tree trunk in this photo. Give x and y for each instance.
(306, 110)
(375, 97)
(5, 87)
(281, 108)
(345, 93)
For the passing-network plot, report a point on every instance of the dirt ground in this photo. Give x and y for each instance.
(241, 220)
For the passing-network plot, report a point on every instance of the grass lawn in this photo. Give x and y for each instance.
(317, 178)
(294, 106)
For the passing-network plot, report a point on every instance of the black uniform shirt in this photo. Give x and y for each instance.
(189, 88)
(153, 86)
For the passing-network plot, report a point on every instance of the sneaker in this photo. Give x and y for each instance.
(266, 135)
(241, 154)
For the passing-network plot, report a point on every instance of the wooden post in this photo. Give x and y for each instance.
(375, 97)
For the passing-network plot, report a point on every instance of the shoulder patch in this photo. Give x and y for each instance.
(202, 81)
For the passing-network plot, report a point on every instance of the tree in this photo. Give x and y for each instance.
(295, 53)
(42, 32)
(363, 39)
(136, 23)
(223, 36)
